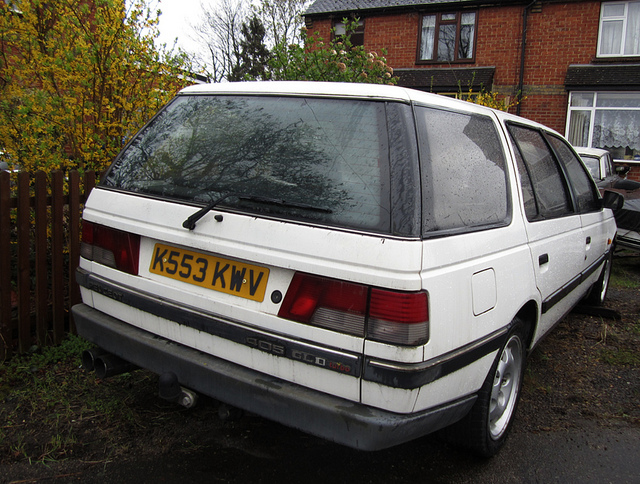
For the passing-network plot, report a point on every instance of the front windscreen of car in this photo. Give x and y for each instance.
(314, 160)
(593, 165)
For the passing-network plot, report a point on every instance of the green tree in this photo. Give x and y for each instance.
(338, 60)
(252, 63)
(79, 77)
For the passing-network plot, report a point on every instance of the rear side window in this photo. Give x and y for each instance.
(583, 187)
(545, 192)
(463, 171)
(309, 159)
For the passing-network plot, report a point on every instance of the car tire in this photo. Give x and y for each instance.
(484, 429)
(598, 291)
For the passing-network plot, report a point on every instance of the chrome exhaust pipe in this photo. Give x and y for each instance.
(107, 365)
(89, 358)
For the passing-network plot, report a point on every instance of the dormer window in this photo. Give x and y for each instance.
(619, 34)
(447, 37)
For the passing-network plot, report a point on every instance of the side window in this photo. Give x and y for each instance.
(463, 171)
(581, 182)
(530, 206)
(540, 174)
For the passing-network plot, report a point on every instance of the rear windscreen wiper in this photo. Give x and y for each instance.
(284, 203)
(190, 223)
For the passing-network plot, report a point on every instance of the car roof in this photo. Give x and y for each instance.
(335, 89)
(583, 150)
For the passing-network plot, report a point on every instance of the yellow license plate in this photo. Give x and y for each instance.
(224, 275)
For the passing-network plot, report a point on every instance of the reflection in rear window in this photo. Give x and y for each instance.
(320, 160)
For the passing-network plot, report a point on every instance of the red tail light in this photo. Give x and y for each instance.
(397, 317)
(386, 316)
(327, 303)
(111, 247)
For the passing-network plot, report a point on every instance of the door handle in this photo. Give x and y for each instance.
(543, 259)
(588, 240)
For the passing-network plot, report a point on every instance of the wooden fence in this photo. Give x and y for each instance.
(39, 254)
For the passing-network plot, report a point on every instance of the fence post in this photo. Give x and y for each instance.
(6, 345)
(42, 286)
(74, 243)
(24, 273)
(89, 183)
(57, 260)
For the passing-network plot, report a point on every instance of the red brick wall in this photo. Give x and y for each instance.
(559, 35)
(633, 173)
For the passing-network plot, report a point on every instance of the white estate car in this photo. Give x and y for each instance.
(364, 263)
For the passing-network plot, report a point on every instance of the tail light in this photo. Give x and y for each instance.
(387, 316)
(111, 247)
(399, 317)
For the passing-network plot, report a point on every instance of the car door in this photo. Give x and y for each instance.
(585, 195)
(554, 227)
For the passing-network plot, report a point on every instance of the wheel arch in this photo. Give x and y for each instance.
(529, 316)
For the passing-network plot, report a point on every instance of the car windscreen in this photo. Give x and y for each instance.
(315, 160)
(593, 165)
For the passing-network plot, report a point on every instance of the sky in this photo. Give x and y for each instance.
(176, 20)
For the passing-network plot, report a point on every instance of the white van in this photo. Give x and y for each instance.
(364, 263)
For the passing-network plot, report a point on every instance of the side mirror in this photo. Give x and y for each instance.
(622, 170)
(612, 200)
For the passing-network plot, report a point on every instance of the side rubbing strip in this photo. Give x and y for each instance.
(565, 290)
(410, 376)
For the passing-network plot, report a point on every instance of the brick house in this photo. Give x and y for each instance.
(576, 62)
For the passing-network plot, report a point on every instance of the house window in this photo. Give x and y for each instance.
(619, 29)
(448, 37)
(357, 36)
(608, 120)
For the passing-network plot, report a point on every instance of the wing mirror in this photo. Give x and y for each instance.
(612, 200)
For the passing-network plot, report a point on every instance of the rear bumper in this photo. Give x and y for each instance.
(317, 413)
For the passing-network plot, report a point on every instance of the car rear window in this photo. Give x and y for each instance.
(309, 159)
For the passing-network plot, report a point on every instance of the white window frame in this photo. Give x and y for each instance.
(624, 18)
(591, 109)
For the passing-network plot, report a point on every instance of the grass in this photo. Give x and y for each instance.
(620, 357)
(51, 410)
(47, 403)
(625, 270)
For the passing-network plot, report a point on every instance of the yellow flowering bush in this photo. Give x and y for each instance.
(79, 78)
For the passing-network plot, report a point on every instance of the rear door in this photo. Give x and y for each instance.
(554, 227)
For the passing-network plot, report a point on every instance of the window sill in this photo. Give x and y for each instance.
(444, 63)
(616, 60)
